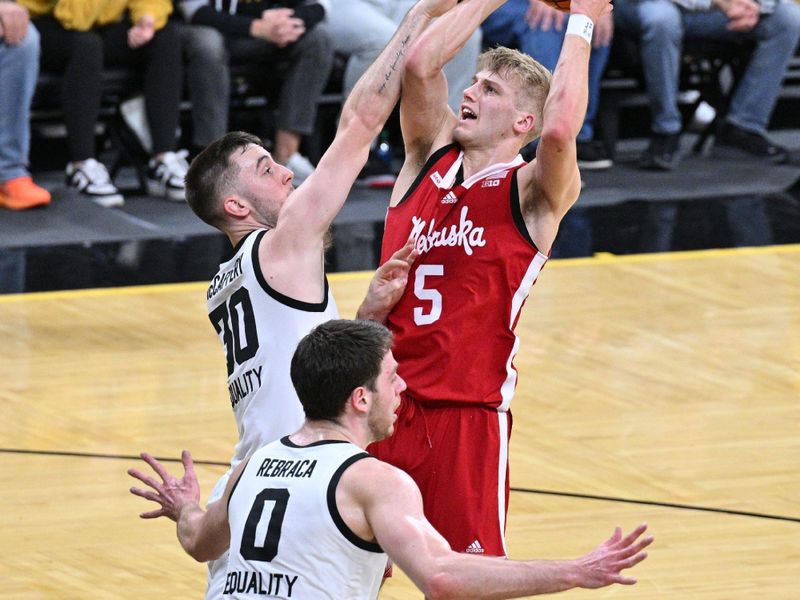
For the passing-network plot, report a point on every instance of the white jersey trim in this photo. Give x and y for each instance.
(510, 384)
(502, 468)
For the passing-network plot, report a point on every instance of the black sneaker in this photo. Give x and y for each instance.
(592, 156)
(92, 180)
(165, 177)
(662, 153)
(732, 137)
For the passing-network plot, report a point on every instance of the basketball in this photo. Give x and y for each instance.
(562, 5)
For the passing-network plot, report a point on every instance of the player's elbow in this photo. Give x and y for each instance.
(442, 585)
(557, 133)
(420, 64)
(201, 552)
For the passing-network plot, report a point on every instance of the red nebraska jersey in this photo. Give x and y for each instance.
(454, 325)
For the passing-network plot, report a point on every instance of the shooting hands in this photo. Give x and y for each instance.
(171, 493)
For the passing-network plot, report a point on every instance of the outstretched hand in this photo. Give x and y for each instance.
(171, 493)
(388, 284)
(603, 565)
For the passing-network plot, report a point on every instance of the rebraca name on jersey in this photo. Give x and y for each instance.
(276, 467)
(262, 584)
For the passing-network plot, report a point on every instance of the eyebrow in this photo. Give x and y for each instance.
(261, 158)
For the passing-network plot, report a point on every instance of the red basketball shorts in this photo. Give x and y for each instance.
(458, 456)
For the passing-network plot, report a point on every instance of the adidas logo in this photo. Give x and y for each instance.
(450, 198)
(475, 548)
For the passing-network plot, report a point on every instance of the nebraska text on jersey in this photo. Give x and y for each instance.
(465, 234)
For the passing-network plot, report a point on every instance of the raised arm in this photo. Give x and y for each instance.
(204, 535)
(311, 209)
(393, 508)
(550, 185)
(425, 117)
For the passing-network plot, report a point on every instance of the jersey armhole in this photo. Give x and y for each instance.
(277, 296)
(432, 160)
(516, 212)
(236, 483)
(334, 510)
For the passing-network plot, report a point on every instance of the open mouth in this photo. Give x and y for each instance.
(467, 114)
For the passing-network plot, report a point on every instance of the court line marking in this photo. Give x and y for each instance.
(214, 463)
(656, 503)
(602, 258)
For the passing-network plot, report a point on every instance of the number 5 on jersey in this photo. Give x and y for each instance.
(427, 294)
(234, 319)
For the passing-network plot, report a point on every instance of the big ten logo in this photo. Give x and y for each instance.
(490, 183)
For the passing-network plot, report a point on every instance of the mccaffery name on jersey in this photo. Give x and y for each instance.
(222, 279)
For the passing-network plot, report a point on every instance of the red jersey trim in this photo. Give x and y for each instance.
(434, 158)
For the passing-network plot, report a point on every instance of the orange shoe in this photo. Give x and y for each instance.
(21, 193)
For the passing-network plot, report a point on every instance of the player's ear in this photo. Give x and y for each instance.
(525, 122)
(233, 205)
(360, 399)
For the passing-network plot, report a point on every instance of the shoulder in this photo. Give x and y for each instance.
(371, 480)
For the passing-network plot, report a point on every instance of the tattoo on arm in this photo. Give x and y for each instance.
(393, 67)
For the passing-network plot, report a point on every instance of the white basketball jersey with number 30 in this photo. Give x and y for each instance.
(260, 329)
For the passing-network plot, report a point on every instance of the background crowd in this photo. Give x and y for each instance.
(192, 50)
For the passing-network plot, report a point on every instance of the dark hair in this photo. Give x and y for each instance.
(334, 359)
(212, 174)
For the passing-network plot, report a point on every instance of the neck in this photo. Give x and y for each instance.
(477, 159)
(240, 230)
(321, 430)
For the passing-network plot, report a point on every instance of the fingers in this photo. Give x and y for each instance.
(153, 514)
(188, 463)
(145, 479)
(633, 535)
(150, 460)
(623, 580)
(146, 494)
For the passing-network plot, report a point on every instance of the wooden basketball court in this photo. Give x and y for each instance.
(661, 388)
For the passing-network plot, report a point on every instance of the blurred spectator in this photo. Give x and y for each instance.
(208, 79)
(79, 38)
(660, 27)
(19, 68)
(269, 33)
(538, 30)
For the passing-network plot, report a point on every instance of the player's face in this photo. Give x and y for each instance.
(386, 399)
(487, 113)
(264, 182)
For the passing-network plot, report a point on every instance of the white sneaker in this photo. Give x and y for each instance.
(166, 177)
(300, 166)
(91, 179)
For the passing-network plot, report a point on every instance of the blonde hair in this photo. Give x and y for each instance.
(531, 78)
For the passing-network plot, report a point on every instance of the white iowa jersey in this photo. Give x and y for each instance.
(260, 329)
(288, 539)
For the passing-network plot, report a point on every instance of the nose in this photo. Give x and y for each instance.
(288, 176)
(469, 93)
(401, 385)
